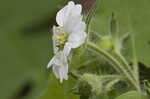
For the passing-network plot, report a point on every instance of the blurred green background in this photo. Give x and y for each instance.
(25, 39)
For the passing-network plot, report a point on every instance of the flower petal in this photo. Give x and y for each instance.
(63, 72)
(63, 14)
(77, 38)
(60, 66)
(55, 43)
(69, 11)
(76, 10)
(80, 26)
(51, 62)
(71, 23)
(56, 70)
(67, 49)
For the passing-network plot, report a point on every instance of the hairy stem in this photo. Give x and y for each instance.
(134, 72)
(115, 63)
(135, 63)
(125, 64)
(111, 83)
(111, 77)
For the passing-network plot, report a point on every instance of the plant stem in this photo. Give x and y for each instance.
(135, 64)
(134, 72)
(125, 64)
(111, 77)
(110, 84)
(115, 63)
(74, 75)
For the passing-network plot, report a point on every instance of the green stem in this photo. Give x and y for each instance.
(135, 64)
(111, 77)
(114, 62)
(110, 84)
(125, 64)
(84, 65)
(74, 75)
(133, 73)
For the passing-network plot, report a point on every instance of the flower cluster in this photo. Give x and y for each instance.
(70, 33)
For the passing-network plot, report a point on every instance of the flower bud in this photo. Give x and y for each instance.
(89, 83)
(106, 43)
(114, 26)
(115, 34)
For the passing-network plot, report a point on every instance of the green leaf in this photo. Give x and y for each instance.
(56, 90)
(100, 96)
(132, 95)
(138, 17)
(105, 95)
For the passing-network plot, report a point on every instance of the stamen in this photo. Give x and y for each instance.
(58, 37)
(62, 34)
(57, 27)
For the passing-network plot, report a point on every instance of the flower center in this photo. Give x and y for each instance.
(61, 38)
(58, 28)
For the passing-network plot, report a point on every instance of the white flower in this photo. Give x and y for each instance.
(69, 34)
(60, 66)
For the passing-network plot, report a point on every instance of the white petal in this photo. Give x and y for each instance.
(63, 14)
(51, 62)
(71, 23)
(55, 43)
(77, 38)
(80, 26)
(71, 3)
(58, 58)
(67, 49)
(76, 10)
(66, 13)
(64, 73)
(60, 17)
(56, 70)
(60, 66)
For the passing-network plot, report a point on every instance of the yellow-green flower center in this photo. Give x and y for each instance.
(62, 38)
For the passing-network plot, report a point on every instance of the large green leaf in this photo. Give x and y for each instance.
(138, 18)
(56, 90)
(133, 17)
(132, 95)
